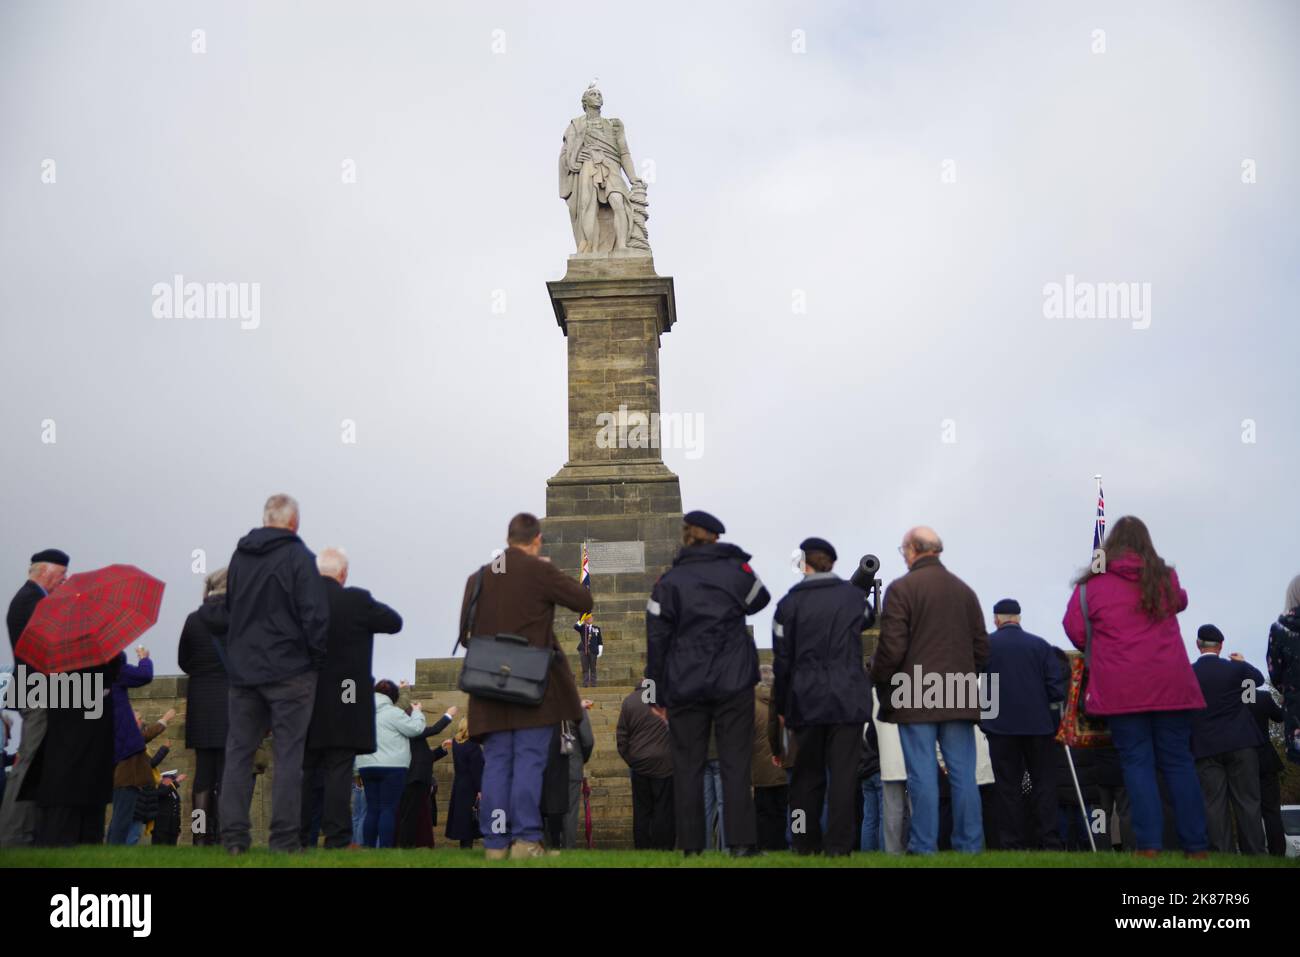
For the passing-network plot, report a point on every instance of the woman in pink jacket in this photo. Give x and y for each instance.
(1141, 681)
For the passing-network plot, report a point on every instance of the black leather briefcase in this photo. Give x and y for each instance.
(501, 667)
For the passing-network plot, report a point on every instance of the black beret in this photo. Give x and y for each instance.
(52, 555)
(1007, 606)
(1209, 634)
(705, 521)
(816, 544)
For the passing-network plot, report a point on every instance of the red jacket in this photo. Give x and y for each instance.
(1138, 665)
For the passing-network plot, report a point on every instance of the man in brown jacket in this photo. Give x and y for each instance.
(518, 597)
(933, 646)
(645, 746)
(771, 789)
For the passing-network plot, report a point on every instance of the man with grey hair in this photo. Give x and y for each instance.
(273, 625)
(343, 719)
(46, 572)
(933, 645)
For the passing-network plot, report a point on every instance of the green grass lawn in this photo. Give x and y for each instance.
(149, 856)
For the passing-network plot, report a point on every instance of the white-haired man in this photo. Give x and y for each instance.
(932, 637)
(343, 720)
(275, 619)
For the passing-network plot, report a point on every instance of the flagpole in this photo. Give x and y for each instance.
(1097, 517)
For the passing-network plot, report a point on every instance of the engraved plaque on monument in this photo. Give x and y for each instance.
(615, 558)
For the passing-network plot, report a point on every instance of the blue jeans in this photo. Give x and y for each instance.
(383, 793)
(1160, 741)
(510, 808)
(358, 815)
(956, 740)
(871, 794)
(119, 826)
(713, 805)
(136, 832)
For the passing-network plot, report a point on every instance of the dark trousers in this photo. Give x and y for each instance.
(1025, 821)
(989, 815)
(732, 723)
(327, 796)
(415, 815)
(588, 670)
(1232, 777)
(383, 793)
(769, 812)
(1270, 807)
(652, 813)
(209, 763)
(69, 826)
(826, 773)
(285, 708)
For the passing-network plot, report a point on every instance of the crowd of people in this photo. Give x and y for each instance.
(946, 738)
(910, 753)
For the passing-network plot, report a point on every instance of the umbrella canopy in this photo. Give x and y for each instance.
(88, 619)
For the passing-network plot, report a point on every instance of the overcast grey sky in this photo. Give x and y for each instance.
(866, 343)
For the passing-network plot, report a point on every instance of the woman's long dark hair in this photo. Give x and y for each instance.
(1129, 535)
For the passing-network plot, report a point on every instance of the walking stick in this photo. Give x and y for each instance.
(1087, 824)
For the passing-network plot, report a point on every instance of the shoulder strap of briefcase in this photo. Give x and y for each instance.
(465, 633)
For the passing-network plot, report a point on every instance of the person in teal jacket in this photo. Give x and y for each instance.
(383, 772)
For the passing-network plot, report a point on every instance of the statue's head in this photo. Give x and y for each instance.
(592, 98)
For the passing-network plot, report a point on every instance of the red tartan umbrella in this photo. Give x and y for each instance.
(88, 619)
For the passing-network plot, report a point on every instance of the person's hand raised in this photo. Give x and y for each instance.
(416, 706)
(453, 711)
(446, 745)
(169, 714)
(141, 652)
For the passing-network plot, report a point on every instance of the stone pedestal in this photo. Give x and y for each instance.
(612, 488)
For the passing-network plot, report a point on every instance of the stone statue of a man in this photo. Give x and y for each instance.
(607, 214)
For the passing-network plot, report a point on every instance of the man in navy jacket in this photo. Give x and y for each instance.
(702, 665)
(1224, 741)
(273, 627)
(823, 693)
(1024, 679)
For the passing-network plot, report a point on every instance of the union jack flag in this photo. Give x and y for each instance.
(586, 583)
(1099, 529)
